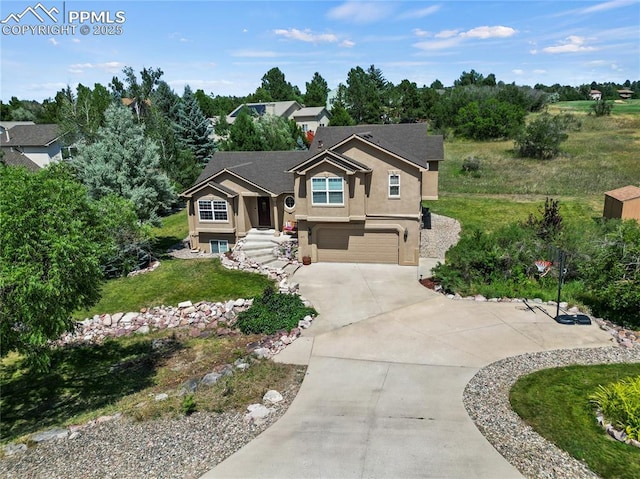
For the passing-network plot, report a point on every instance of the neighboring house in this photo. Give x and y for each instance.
(595, 95)
(622, 203)
(283, 109)
(354, 196)
(38, 143)
(625, 94)
(311, 118)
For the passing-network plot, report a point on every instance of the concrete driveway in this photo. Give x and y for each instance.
(388, 363)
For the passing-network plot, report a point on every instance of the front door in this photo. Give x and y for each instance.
(264, 212)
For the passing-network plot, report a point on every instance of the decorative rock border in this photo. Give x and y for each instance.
(486, 399)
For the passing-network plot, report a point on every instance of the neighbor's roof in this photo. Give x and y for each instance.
(408, 140)
(15, 158)
(625, 193)
(31, 135)
(312, 111)
(277, 108)
(266, 169)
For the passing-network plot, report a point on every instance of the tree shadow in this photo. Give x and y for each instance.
(81, 379)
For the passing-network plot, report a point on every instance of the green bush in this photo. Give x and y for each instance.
(612, 273)
(542, 137)
(620, 405)
(273, 312)
(188, 405)
(471, 164)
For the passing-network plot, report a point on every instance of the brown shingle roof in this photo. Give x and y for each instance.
(15, 158)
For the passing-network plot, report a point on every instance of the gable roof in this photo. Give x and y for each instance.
(277, 108)
(347, 164)
(15, 158)
(266, 169)
(31, 135)
(311, 111)
(407, 140)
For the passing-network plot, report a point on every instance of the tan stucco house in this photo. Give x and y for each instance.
(354, 196)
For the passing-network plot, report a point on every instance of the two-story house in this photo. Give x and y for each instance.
(354, 196)
(31, 145)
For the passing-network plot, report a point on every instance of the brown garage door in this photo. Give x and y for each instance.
(354, 245)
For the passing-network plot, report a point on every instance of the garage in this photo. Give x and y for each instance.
(355, 245)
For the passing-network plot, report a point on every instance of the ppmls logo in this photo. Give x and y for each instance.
(40, 20)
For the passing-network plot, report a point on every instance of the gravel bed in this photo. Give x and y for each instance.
(486, 399)
(183, 448)
(444, 233)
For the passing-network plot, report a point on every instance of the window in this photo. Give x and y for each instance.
(327, 191)
(305, 127)
(211, 210)
(219, 246)
(394, 185)
(290, 202)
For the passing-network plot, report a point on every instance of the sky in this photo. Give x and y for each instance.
(224, 48)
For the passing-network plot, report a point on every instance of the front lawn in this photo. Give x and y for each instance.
(555, 402)
(175, 281)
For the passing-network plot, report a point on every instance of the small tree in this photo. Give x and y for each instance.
(340, 116)
(549, 224)
(49, 258)
(542, 137)
(602, 107)
(193, 128)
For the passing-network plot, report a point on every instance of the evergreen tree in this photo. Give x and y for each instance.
(124, 162)
(340, 116)
(193, 128)
(317, 91)
(278, 88)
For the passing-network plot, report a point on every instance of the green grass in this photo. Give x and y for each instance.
(489, 212)
(620, 107)
(174, 229)
(601, 156)
(174, 281)
(555, 402)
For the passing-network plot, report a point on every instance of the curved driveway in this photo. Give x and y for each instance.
(388, 362)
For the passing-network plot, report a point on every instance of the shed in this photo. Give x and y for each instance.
(622, 203)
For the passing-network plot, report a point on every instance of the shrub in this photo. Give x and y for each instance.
(612, 273)
(620, 405)
(273, 312)
(188, 405)
(602, 108)
(549, 224)
(542, 137)
(471, 165)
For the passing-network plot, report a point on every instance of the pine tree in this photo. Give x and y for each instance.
(124, 162)
(244, 135)
(193, 128)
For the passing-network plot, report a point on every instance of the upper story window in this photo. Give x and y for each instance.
(327, 191)
(394, 185)
(212, 210)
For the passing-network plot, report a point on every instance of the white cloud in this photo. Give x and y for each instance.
(451, 38)
(53, 41)
(109, 67)
(347, 44)
(517, 71)
(420, 33)
(601, 7)
(447, 33)
(571, 44)
(539, 71)
(75, 40)
(489, 32)
(421, 13)
(306, 35)
(360, 12)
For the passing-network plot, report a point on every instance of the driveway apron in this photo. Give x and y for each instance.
(388, 361)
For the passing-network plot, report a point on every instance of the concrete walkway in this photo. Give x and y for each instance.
(388, 363)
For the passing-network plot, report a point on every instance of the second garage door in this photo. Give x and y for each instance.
(354, 245)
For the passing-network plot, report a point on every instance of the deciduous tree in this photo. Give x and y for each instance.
(49, 257)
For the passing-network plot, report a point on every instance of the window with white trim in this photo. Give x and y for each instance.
(219, 246)
(394, 185)
(327, 191)
(212, 210)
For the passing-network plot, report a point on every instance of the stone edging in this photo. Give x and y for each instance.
(486, 399)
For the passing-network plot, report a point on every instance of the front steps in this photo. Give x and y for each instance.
(260, 246)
